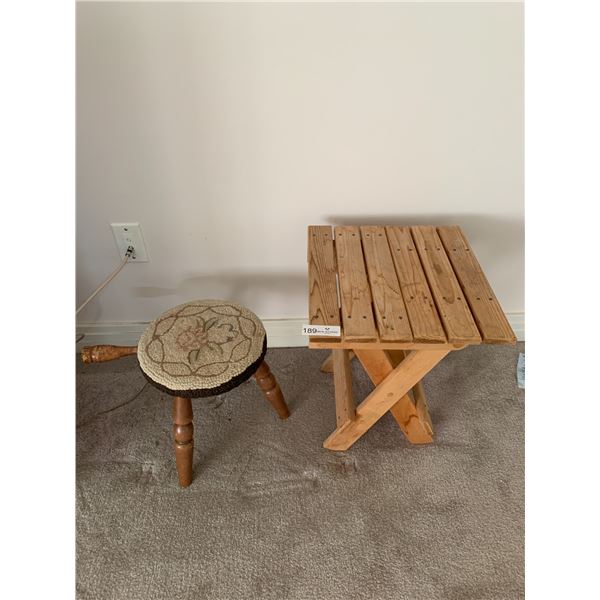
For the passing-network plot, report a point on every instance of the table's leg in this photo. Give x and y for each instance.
(411, 415)
(396, 385)
(422, 409)
(327, 366)
(342, 381)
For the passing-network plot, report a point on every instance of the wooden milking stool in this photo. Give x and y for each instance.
(199, 349)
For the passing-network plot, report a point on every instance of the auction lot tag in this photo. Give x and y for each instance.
(323, 330)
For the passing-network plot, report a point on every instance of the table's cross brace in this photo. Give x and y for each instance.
(411, 414)
(392, 389)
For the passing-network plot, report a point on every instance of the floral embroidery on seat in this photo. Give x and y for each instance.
(202, 334)
(200, 345)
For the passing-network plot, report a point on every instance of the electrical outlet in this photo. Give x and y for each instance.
(130, 234)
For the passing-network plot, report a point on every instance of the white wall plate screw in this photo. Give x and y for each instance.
(130, 234)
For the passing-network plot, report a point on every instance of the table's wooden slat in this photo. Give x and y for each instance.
(422, 314)
(452, 306)
(486, 309)
(390, 312)
(322, 286)
(355, 295)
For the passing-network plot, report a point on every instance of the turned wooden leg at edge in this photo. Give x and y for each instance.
(270, 388)
(183, 435)
(104, 353)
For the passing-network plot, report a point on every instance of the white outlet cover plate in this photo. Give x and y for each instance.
(130, 234)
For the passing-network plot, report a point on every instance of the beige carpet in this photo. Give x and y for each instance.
(272, 515)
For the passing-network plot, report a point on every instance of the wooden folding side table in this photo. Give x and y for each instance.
(407, 297)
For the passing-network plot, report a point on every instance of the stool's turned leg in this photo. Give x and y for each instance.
(103, 353)
(268, 384)
(183, 433)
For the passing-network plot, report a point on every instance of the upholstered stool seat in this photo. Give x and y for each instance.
(201, 348)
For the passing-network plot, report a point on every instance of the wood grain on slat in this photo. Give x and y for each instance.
(486, 309)
(390, 312)
(422, 314)
(322, 287)
(355, 295)
(452, 306)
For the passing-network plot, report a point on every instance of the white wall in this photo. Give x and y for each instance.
(226, 129)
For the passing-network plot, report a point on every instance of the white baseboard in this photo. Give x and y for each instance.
(281, 333)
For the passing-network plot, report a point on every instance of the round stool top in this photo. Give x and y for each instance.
(202, 348)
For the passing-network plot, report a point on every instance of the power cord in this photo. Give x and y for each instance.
(130, 250)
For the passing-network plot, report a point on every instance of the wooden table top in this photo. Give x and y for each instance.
(400, 287)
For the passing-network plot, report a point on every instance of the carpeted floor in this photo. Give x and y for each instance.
(272, 515)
